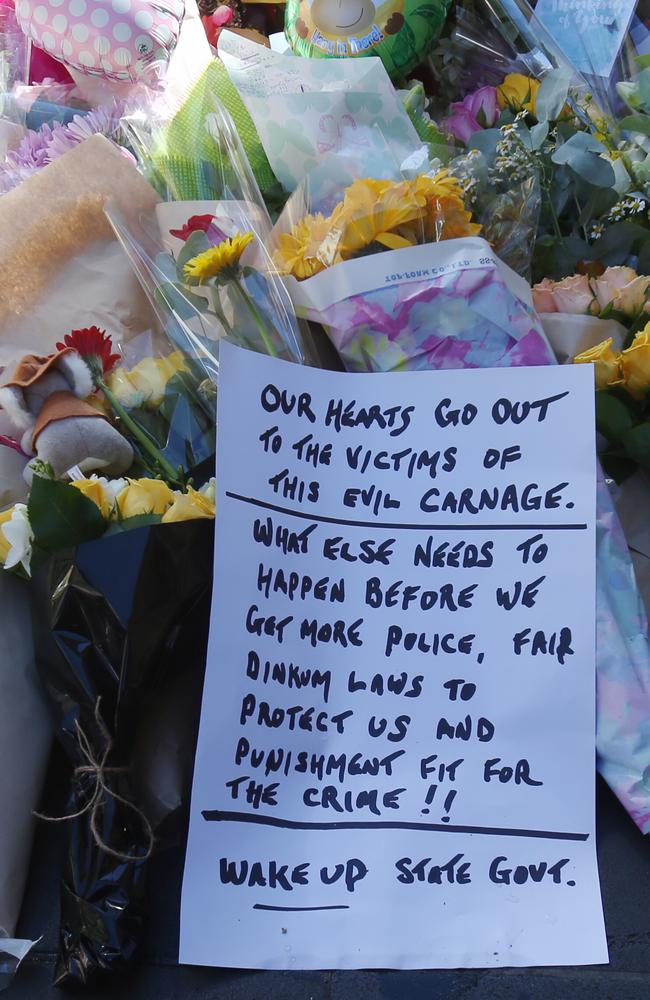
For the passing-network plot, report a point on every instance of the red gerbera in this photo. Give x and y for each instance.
(196, 223)
(94, 346)
(200, 224)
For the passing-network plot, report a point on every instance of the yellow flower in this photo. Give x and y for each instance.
(445, 217)
(146, 382)
(518, 92)
(94, 490)
(189, 506)
(144, 496)
(224, 257)
(635, 364)
(605, 361)
(372, 211)
(300, 252)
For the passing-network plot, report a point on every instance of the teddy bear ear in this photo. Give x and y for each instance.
(75, 370)
(12, 401)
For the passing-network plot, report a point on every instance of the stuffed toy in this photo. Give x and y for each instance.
(46, 401)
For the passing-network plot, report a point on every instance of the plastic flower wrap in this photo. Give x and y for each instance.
(400, 278)
(204, 261)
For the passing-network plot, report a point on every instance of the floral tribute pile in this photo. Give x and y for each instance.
(483, 201)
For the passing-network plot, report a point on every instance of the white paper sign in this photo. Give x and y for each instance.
(395, 763)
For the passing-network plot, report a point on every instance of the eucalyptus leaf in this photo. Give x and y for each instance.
(579, 142)
(593, 169)
(552, 95)
(486, 142)
(636, 123)
(643, 85)
(539, 134)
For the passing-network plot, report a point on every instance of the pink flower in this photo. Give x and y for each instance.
(475, 112)
(543, 297)
(483, 105)
(202, 224)
(572, 295)
(624, 289)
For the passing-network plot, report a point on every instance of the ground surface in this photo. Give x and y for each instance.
(625, 874)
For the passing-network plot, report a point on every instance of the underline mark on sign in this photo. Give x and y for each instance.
(409, 527)
(221, 816)
(297, 909)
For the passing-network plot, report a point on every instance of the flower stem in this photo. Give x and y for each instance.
(257, 318)
(140, 436)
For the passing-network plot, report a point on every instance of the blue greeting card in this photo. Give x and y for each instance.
(589, 32)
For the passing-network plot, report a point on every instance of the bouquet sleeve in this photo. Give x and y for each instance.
(115, 618)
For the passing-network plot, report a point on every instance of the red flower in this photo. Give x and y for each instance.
(197, 223)
(91, 343)
(213, 23)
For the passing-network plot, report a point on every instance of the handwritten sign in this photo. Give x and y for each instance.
(395, 763)
(589, 32)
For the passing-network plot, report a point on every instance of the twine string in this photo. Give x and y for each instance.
(96, 766)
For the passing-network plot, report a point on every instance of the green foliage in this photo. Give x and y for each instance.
(60, 516)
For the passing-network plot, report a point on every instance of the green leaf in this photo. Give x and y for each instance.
(61, 516)
(613, 418)
(539, 134)
(593, 169)
(485, 142)
(637, 444)
(180, 300)
(579, 142)
(643, 61)
(196, 243)
(636, 123)
(552, 95)
(128, 523)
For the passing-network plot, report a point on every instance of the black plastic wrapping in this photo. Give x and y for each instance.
(116, 620)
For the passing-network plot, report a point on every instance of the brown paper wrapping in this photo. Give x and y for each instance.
(62, 268)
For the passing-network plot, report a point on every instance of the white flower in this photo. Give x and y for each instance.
(209, 490)
(19, 534)
(112, 487)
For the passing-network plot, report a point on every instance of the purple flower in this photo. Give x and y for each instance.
(39, 148)
(475, 112)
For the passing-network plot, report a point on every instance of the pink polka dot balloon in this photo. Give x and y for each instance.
(116, 39)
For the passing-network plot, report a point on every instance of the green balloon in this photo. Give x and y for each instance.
(400, 32)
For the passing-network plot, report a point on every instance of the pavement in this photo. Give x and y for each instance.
(624, 859)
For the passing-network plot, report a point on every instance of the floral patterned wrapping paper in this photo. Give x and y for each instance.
(466, 309)
(451, 304)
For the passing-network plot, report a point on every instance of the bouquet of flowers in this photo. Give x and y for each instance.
(400, 277)
(107, 558)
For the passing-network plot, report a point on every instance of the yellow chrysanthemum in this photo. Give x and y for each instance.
(441, 185)
(218, 259)
(300, 252)
(372, 211)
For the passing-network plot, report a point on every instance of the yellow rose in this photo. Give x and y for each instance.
(146, 382)
(518, 92)
(635, 363)
(605, 361)
(189, 506)
(94, 490)
(144, 496)
(5, 516)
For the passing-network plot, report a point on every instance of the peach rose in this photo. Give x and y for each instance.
(571, 295)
